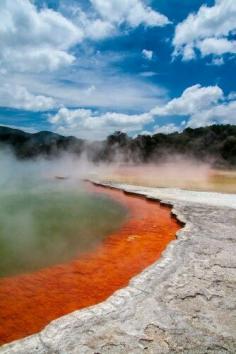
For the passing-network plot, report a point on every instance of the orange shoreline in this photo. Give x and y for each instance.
(29, 302)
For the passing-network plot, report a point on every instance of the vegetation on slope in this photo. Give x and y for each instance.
(216, 143)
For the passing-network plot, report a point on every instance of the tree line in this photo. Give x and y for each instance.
(216, 143)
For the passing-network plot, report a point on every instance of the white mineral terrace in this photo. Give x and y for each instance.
(183, 303)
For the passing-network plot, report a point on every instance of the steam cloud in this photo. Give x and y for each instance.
(30, 192)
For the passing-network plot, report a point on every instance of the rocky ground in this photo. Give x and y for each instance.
(184, 303)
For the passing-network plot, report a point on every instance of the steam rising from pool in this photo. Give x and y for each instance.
(46, 220)
(47, 217)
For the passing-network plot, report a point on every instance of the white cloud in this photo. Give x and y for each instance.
(200, 105)
(147, 54)
(232, 96)
(131, 12)
(86, 123)
(164, 129)
(90, 90)
(194, 98)
(224, 113)
(94, 82)
(167, 128)
(207, 31)
(19, 97)
(217, 61)
(93, 28)
(35, 59)
(99, 29)
(217, 46)
(107, 16)
(35, 40)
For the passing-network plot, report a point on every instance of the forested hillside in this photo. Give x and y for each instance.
(215, 144)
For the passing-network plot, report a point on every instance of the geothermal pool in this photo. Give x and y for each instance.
(86, 245)
(48, 221)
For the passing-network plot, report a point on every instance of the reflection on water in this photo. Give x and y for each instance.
(46, 222)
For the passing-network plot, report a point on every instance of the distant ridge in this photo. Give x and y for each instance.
(44, 143)
(216, 143)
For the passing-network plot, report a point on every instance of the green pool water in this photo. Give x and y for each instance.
(48, 221)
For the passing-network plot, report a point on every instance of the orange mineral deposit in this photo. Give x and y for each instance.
(28, 302)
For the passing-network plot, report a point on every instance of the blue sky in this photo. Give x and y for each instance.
(88, 68)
